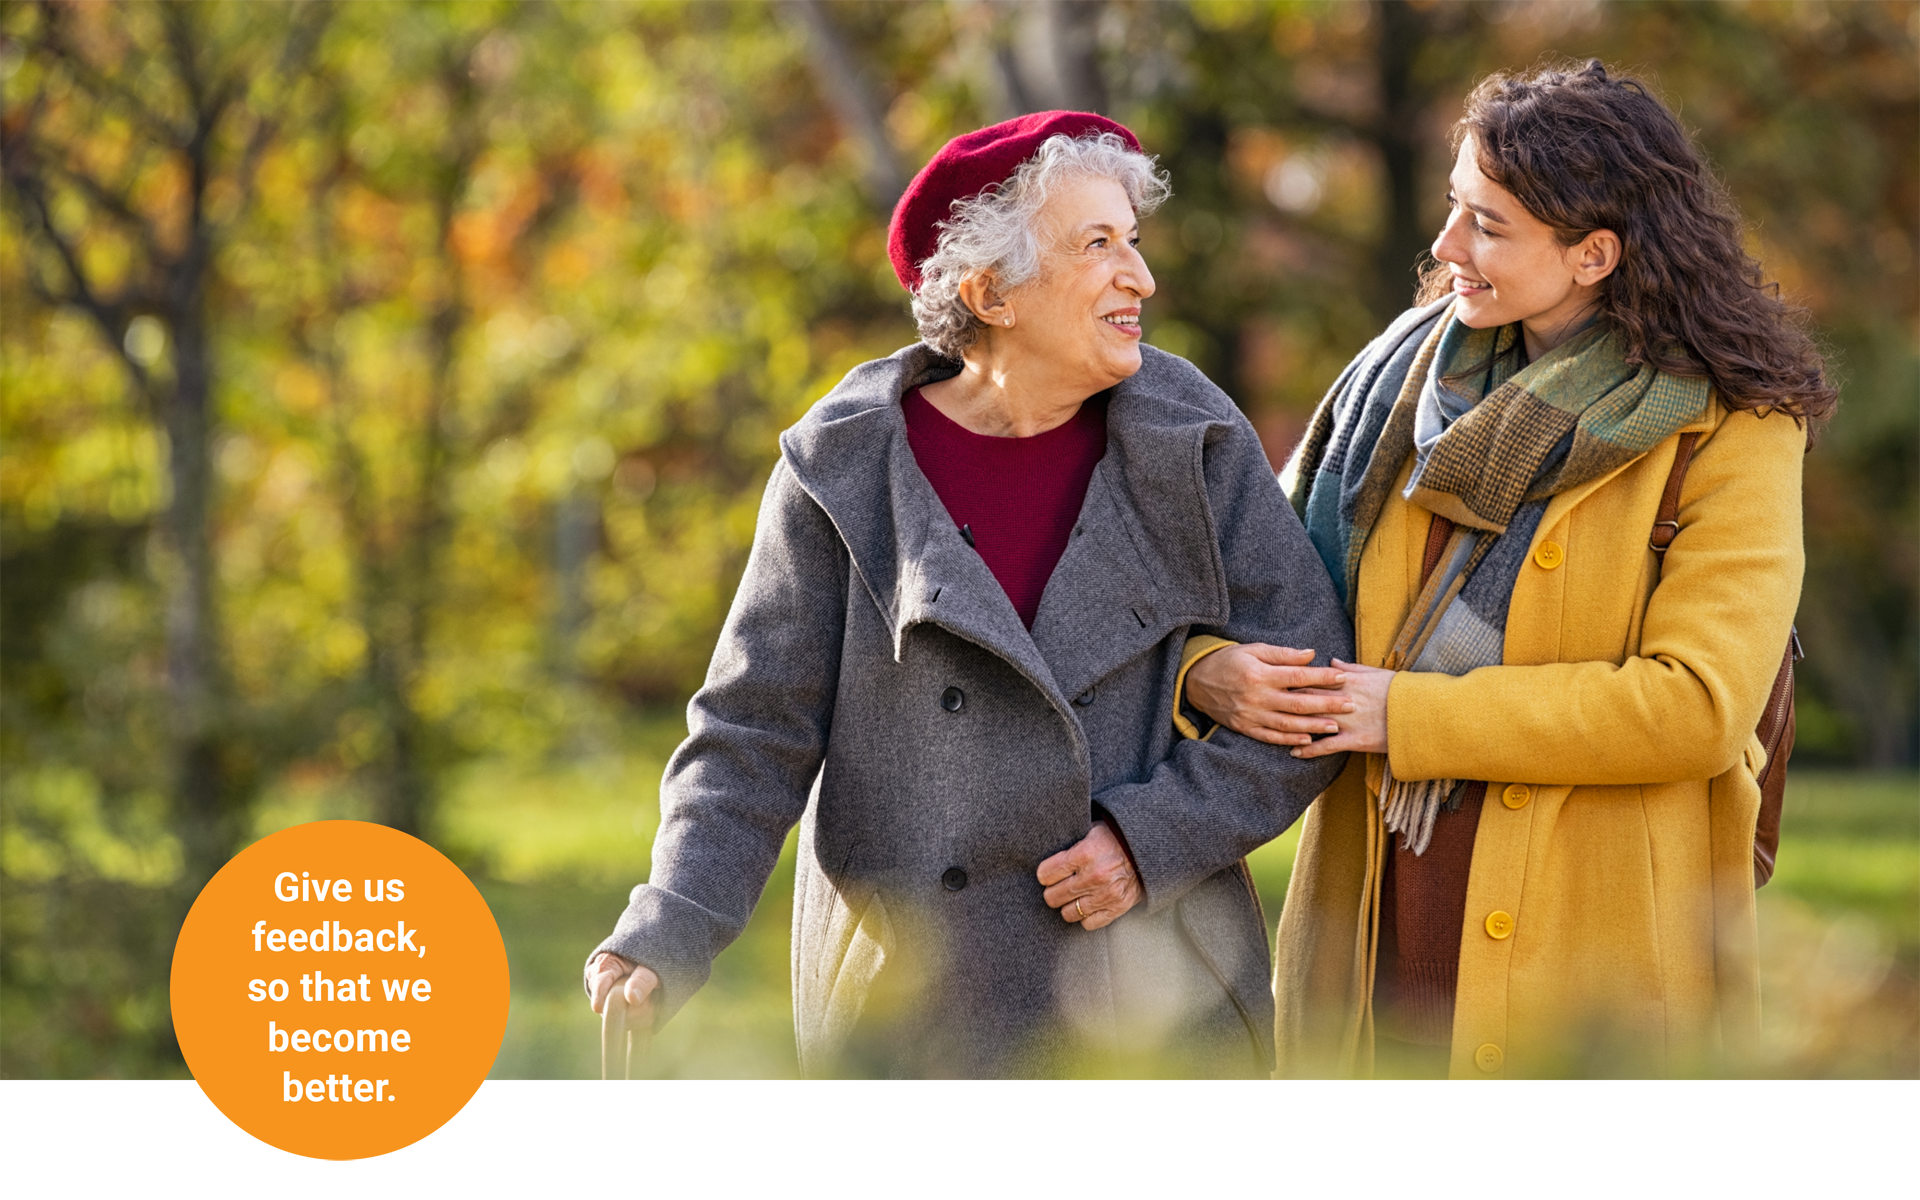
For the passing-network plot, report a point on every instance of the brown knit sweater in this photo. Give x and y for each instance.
(1423, 900)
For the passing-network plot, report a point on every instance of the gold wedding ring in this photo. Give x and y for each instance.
(1080, 908)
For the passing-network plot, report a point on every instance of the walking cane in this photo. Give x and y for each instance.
(621, 1047)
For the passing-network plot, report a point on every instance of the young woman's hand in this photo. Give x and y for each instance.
(1363, 727)
(1253, 689)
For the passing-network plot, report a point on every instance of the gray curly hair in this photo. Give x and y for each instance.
(995, 232)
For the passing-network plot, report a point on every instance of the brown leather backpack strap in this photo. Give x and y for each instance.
(1776, 726)
(1666, 522)
(1775, 732)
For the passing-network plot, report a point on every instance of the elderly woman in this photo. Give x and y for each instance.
(950, 657)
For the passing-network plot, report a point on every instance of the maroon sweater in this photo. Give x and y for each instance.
(1015, 499)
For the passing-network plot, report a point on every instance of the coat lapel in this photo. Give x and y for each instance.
(944, 582)
(851, 455)
(1144, 558)
(1142, 562)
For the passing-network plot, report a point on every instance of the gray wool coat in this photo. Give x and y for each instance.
(874, 683)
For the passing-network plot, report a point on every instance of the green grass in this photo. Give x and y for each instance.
(1272, 866)
(557, 845)
(1865, 805)
(1851, 842)
(557, 848)
(561, 845)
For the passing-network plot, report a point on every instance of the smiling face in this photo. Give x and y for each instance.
(1508, 265)
(1079, 322)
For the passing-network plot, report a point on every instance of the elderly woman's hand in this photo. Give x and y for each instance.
(1254, 690)
(1093, 880)
(638, 983)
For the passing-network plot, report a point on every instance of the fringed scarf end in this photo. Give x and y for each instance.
(1410, 809)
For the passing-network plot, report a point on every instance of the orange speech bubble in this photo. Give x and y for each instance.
(339, 989)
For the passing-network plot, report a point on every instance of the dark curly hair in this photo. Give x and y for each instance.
(1583, 150)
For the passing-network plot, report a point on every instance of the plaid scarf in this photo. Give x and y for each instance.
(1526, 433)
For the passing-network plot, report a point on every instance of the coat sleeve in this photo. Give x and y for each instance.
(1210, 803)
(756, 736)
(1710, 645)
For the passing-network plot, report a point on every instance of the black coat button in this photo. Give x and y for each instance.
(953, 879)
(952, 699)
(1084, 698)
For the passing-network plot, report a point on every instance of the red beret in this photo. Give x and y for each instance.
(967, 166)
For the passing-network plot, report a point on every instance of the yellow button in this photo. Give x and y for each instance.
(1488, 1058)
(1516, 795)
(1549, 555)
(1499, 924)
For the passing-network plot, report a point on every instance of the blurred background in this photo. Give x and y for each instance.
(386, 392)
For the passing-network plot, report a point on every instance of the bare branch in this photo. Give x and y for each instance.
(110, 316)
(1052, 60)
(186, 65)
(1008, 73)
(846, 91)
(113, 204)
(295, 53)
(107, 317)
(108, 89)
(81, 292)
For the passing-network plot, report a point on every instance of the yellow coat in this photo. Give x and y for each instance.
(1617, 737)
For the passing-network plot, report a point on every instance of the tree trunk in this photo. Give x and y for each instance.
(1404, 31)
(1056, 57)
(861, 114)
(405, 799)
(194, 677)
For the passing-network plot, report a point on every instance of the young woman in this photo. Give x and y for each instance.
(1541, 860)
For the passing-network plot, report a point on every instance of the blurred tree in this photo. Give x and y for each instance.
(391, 481)
(128, 160)
(843, 86)
(386, 390)
(554, 275)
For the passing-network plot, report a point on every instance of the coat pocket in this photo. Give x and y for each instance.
(848, 955)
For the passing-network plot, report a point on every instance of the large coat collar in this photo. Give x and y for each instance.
(1143, 559)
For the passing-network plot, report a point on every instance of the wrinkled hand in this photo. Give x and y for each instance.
(1092, 881)
(1251, 689)
(1364, 729)
(638, 984)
